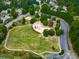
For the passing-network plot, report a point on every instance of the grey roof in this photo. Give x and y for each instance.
(4, 12)
(4, 18)
(19, 11)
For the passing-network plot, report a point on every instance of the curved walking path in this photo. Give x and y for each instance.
(63, 41)
(5, 46)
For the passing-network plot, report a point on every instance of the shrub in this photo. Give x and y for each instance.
(66, 16)
(45, 22)
(23, 21)
(44, 19)
(14, 24)
(59, 32)
(57, 26)
(51, 32)
(1, 21)
(33, 20)
(53, 18)
(3, 32)
(45, 9)
(58, 21)
(37, 15)
(54, 58)
(32, 10)
(13, 13)
(24, 11)
(74, 35)
(45, 32)
(62, 52)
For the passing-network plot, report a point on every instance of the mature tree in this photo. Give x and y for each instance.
(61, 2)
(51, 32)
(3, 6)
(33, 20)
(60, 8)
(45, 9)
(13, 3)
(58, 21)
(65, 2)
(13, 13)
(32, 10)
(66, 16)
(43, 0)
(23, 21)
(25, 9)
(59, 32)
(57, 25)
(45, 32)
(53, 18)
(77, 10)
(31, 2)
(37, 15)
(72, 6)
(44, 19)
(71, 9)
(62, 52)
(74, 35)
(45, 22)
(3, 32)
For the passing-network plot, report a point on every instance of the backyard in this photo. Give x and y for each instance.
(24, 37)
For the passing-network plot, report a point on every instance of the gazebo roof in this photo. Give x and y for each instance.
(28, 17)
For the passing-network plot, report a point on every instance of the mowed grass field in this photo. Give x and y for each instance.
(24, 37)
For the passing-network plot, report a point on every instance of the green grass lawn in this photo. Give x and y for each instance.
(25, 37)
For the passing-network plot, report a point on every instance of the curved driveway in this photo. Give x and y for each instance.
(64, 37)
(63, 43)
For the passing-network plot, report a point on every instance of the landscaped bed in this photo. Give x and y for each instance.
(24, 37)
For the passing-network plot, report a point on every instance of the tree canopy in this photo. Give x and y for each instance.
(3, 32)
(74, 35)
(44, 19)
(13, 13)
(45, 9)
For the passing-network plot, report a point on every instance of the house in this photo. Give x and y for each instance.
(4, 12)
(54, 5)
(4, 18)
(19, 11)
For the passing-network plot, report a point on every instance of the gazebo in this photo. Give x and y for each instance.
(28, 18)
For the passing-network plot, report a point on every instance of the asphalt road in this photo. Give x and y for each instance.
(63, 43)
(64, 37)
